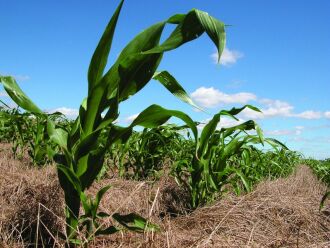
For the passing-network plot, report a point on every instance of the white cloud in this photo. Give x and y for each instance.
(309, 114)
(66, 111)
(228, 57)
(211, 97)
(285, 132)
(278, 108)
(327, 114)
(272, 108)
(131, 118)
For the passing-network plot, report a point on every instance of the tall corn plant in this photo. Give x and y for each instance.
(82, 155)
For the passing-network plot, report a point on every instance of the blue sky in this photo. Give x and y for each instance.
(277, 58)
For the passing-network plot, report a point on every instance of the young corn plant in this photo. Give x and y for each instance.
(208, 170)
(146, 152)
(81, 154)
(28, 132)
(211, 168)
(255, 164)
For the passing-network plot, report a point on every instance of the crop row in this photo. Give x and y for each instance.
(202, 162)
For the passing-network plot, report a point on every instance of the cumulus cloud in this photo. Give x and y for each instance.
(309, 114)
(211, 97)
(285, 132)
(278, 108)
(272, 108)
(327, 114)
(66, 111)
(228, 57)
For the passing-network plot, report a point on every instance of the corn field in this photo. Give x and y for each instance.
(205, 163)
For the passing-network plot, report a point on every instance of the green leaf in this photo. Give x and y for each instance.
(173, 86)
(86, 144)
(155, 115)
(18, 96)
(275, 143)
(94, 164)
(135, 222)
(260, 133)
(99, 195)
(214, 28)
(243, 179)
(135, 72)
(100, 56)
(71, 177)
(58, 135)
(190, 27)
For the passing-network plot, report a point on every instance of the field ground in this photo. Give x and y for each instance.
(280, 213)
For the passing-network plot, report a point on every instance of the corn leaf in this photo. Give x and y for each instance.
(100, 56)
(18, 96)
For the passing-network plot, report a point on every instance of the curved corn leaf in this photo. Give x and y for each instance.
(190, 27)
(18, 96)
(173, 86)
(156, 115)
(215, 30)
(58, 135)
(135, 222)
(99, 196)
(242, 178)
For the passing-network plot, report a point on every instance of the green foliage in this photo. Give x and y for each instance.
(81, 150)
(257, 165)
(203, 163)
(322, 169)
(28, 132)
(146, 153)
(208, 170)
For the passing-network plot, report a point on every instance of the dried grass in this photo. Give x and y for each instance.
(280, 213)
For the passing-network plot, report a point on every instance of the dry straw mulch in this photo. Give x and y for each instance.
(280, 213)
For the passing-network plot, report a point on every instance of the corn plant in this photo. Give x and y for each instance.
(81, 156)
(28, 132)
(147, 152)
(255, 164)
(207, 172)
